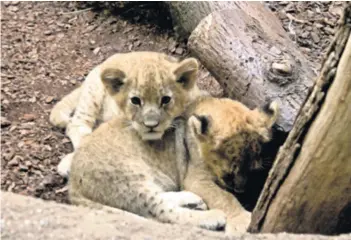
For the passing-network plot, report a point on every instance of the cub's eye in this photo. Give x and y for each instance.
(165, 100)
(136, 101)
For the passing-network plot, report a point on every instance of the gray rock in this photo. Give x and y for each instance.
(29, 218)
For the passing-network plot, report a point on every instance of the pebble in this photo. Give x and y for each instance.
(96, 50)
(5, 122)
(315, 37)
(13, 9)
(8, 154)
(28, 163)
(13, 162)
(23, 168)
(137, 43)
(29, 117)
(179, 50)
(329, 30)
(49, 99)
(275, 50)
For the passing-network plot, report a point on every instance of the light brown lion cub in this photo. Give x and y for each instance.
(223, 139)
(153, 89)
(114, 167)
(130, 161)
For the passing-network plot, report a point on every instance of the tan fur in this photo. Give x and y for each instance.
(114, 167)
(223, 137)
(109, 88)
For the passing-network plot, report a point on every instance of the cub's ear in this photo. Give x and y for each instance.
(271, 111)
(199, 125)
(113, 79)
(186, 72)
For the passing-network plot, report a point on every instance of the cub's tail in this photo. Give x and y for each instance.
(62, 111)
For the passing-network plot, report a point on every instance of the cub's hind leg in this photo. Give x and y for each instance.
(61, 113)
(88, 108)
(65, 164)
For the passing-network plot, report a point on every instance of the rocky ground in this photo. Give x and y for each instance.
(47, 49)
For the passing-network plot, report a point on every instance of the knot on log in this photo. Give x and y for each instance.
(281, 72)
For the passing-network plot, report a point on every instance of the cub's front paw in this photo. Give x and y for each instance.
(191, 200)
(184, 199)
(238, 224)
(214, 220)
(65, 165)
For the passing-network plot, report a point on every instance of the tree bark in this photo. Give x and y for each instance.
(253, 59)
(186, 15)
(309, 187)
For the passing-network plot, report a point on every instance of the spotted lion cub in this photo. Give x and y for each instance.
(129, 162)
(223, 139)
(153, 89)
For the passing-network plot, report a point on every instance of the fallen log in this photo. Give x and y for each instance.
(309, 187)
(186, 15)
(253, 59)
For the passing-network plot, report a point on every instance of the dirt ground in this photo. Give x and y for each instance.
(47, 49)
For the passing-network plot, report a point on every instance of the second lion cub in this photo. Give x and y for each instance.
(223, 138)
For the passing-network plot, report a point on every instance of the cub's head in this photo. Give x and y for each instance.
(229, 137)
(152, 89)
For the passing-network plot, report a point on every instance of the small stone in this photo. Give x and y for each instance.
(318, 25)
(13, 9)
(137, 43)
(5, 122)
(315, 37)
(13, 162)
(179, 50)
(305, 34)
(92, 42)
(96, 50)
(49, 99)
(283, 3)
(8, 154)
(282, 67)
(23, 168)
(275, 50)
(310, 14)
(305, 50)
(48, 32)
(28, 163)
(29, 117)
(32, 99)
(48, 180)
(172, 45)
(329, 30)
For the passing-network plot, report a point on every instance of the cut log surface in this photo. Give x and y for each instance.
(253, 59)
(309, 187)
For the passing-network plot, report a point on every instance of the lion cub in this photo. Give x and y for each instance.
(129, 162)
(223, 139)
(115, 167)
(152, 88)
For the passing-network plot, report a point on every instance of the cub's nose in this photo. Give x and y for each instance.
(151, 123)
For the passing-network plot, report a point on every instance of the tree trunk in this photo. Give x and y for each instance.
(309, 187)
(253, 59)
